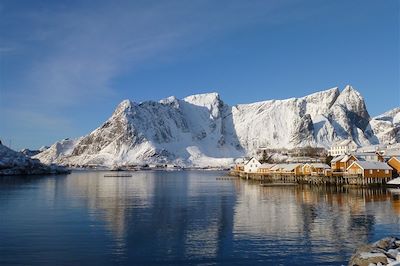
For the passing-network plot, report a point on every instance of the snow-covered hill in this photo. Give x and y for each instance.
(17, 163)
(201, 130)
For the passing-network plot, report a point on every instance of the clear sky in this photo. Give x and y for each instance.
(65, 65)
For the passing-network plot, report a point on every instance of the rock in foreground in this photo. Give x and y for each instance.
(16, 163)
(383, 252)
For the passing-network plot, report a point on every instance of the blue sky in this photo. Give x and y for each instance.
(65, 65)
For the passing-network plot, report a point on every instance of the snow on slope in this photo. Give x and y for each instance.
(202, 130)
(387, 126)
(17, 163)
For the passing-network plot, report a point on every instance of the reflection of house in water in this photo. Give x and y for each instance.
(321, 217)
(265, 211)
(395, 200)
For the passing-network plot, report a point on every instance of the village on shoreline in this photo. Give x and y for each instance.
(345, 164)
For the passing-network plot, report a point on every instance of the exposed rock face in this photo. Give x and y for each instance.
(16, 163)
(383, 252)
(202, 130)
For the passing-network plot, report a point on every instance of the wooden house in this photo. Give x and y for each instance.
(340, 163)
(239, 167)
(394, 162)
(343, 147)
(373, 172)
(294, 169)
(320, 169)
(251, 166)
(265, 168)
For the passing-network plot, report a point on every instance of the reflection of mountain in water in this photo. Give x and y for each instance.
(168, 215)
(172, 216)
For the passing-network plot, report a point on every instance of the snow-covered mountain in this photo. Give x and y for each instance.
(201, 130)
(17, 163)
(387, 126)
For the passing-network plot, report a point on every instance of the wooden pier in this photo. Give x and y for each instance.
(336, 178)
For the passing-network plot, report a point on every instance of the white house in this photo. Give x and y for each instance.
(251, 166)
(343, 147)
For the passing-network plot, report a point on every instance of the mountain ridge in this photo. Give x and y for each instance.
(201, 130)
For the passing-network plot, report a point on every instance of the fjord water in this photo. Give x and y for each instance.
(185, 218)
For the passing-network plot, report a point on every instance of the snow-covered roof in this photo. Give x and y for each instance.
(286, 166)
(251, 160)
(266, 165)
(337, 158)
(392, 152)
(365, 154)
(320, 165)
(372, 165)
(346, 158)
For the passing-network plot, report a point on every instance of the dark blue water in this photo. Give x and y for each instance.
(185, 218)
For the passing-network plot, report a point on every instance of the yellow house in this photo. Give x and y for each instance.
(371, 171)
(340, 163)
(316, 169)
(287, 169)
(265, 168)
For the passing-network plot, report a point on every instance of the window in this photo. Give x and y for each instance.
(386, 171)
(370, 172)
(377, 170)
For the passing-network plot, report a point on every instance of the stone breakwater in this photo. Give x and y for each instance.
(383, 252)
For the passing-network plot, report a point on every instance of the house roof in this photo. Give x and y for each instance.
(266, 165)
(395, 157)
(368, 165)
(286, 166)
(320, 165)
(392, 152)
(337, 158)
(251, 160)
(365, 154)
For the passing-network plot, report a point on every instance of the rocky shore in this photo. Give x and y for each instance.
(17, 163)
(383, 252)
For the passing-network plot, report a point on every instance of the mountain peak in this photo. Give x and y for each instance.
(348, 89)
(124, 105)
(202, 98)
(350, 95)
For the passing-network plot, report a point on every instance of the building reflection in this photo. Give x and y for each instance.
(192, 215)
(330, 220)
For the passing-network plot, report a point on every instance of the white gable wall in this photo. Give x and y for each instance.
(252, 166)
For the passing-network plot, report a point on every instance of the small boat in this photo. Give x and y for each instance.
(117, 175)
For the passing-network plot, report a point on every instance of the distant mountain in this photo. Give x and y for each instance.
(31, 153)
(17, 163)
(201, 130)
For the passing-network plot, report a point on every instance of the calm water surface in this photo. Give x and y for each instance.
(187, 217)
